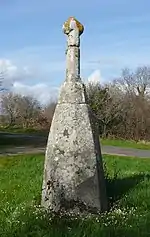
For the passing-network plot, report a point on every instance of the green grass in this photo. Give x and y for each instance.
(126, 143)
(128, 187)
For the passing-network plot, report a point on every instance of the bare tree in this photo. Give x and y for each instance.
(20, 110)
(104, 105)
(29, 110)
(135, 88)
(10, 108)
(3, 75)
(123, 107)
(49, 111)
(137, 82)
(1, 81)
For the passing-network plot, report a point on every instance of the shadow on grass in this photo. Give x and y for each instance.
(118, 187)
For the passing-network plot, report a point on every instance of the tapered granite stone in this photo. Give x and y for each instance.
(73, 172)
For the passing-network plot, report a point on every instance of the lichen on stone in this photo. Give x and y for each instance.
(73, 179)
(71, 24)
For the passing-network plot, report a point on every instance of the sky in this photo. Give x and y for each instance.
(32, 44)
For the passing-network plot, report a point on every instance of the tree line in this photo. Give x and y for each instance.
(121, 107)
(25, 112)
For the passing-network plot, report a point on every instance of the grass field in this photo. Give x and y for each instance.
(128, 187)
(126, 143)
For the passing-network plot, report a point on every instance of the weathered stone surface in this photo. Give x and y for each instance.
(71, 24)
(73, 171)
(72, 92)
(71, 159)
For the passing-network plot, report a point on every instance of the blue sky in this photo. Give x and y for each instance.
(32, 45)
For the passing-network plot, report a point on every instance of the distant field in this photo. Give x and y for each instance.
(128, 188)
(126, 143)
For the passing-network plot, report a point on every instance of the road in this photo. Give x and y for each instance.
(123, 151)
(111, 150)
(40, 143)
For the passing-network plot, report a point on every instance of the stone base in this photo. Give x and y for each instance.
(73, 172)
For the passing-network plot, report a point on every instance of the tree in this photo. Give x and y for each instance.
(10, 108)
(2, 78)
(134, 82)
(49, 111)
(20, 110)
(123, 106)
(104, 106)
(135, 88)
(29, 110)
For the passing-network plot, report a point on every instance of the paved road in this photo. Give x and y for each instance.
(37, 144)
(105, 150)
(123, 151)
(21, 150)
(13, 135)
(20, 135)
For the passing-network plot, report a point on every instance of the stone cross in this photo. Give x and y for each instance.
(73, 172)
(73, 29)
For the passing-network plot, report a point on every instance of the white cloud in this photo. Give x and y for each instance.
(11, 73)
(42, 92)
(8, 71)
(14, 78)
(45, 93)
(95, 77)
(5, 64)
(18, 79)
